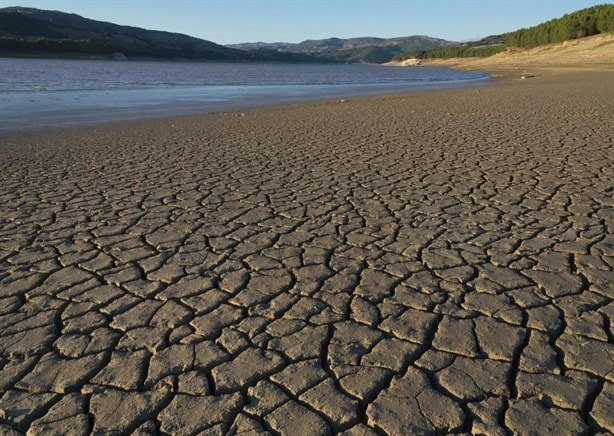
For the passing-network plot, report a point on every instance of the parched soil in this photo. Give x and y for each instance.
(410, 264)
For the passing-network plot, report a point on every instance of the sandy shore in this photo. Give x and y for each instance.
(578, 55)
(593, 52)
(438, 261)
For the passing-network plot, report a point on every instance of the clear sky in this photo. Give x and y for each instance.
(233, 21)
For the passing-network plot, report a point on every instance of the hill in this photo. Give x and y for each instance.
(365, 49)
(586, 22)
(36, 32)
(593, 52)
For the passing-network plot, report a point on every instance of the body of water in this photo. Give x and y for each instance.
(42, 93)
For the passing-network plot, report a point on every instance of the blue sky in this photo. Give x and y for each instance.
(233, 21)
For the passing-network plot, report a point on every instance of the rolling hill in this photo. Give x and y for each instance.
(42, 33)
(36, 32)
(364, 49)
(592, 52)
(583, 23)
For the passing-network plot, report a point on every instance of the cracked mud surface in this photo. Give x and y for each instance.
(437, 262)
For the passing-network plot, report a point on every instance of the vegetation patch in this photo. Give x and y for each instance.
(586, 22)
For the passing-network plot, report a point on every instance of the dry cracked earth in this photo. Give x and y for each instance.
(419, 264)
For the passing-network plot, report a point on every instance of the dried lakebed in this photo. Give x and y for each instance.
(435, 262)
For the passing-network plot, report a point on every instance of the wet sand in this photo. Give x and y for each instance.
(429, 262)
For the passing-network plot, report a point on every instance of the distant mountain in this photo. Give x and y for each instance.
(36, 32)
(492, 39)
(366, 49)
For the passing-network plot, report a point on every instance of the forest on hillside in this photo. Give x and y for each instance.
(460, 51)
(586, 22)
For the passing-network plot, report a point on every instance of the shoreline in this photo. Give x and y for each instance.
(185, 101)
(432, 262)
(497, 77)
(592, 53)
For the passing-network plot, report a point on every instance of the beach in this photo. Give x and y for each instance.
(434, 262)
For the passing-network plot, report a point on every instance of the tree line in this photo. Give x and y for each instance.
(75, 47)
(586, 22)
(459, 51)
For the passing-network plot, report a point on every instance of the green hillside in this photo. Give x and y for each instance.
(379, 54)
(460, 51)
(586, 22)
(364, 49)
(35, 32)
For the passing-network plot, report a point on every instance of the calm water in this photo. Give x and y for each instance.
(49, 93)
